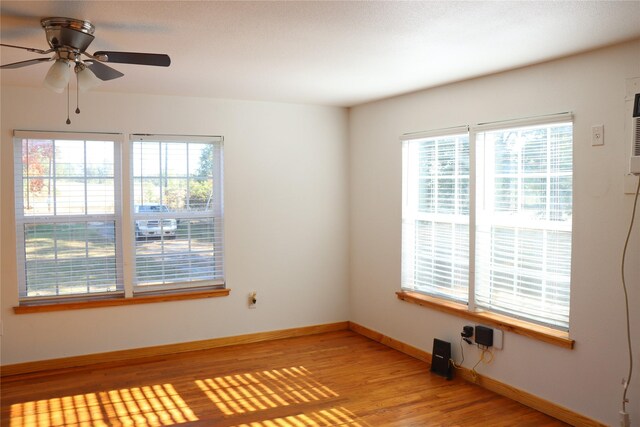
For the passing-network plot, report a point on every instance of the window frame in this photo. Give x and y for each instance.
(410, 207)
(217, 213)
(21, 219)
(552, 320)
(470, 308)
(126, 292)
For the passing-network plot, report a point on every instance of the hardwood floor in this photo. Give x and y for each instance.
(332, 379)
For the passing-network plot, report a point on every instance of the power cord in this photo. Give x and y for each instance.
(485, 351)
(465, 335)
(453, 362)
(486, 357)
(626, 303)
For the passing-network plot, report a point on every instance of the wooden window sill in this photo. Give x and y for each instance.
(520, 327)
(110, 302)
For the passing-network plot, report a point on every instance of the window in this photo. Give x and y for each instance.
(435, 220)
(69, 209)
(516, 237)
(67, 215)
(177, 198)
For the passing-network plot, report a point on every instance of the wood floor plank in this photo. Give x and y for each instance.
(332, 379)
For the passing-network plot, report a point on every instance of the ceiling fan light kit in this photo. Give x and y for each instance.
(58, 76)
(86, 79)
(68, 40)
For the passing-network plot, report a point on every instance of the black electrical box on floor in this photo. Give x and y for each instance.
(484, 336)
(440, 359)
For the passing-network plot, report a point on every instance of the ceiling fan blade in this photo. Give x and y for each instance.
(157, 59)
(30, 49)
(25, 63)
(103, 72)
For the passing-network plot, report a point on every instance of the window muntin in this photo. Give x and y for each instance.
(178, 213)
(66, 217)
(520, 241)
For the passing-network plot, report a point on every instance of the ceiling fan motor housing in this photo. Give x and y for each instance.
(69, 34)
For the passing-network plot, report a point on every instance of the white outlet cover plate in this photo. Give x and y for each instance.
(597, 135)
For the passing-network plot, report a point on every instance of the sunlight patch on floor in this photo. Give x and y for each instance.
(244, 393)
(157, 405)
(323, 418)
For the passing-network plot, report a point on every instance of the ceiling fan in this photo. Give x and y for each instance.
(69, 39)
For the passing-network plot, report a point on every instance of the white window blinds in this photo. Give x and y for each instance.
(524, 213)
(67, 214)
(435, 214)
(178, 211)
(487, 217)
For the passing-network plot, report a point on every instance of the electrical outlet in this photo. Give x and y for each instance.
(252, 300)
(597, 135)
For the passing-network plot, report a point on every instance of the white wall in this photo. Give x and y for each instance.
(592, 86)
(286, 206)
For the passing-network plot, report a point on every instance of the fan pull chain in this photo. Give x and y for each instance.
(68, 119)
(77, 94)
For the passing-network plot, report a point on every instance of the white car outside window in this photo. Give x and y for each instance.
(154, 227)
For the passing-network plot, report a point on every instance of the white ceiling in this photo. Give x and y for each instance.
(339, 53)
